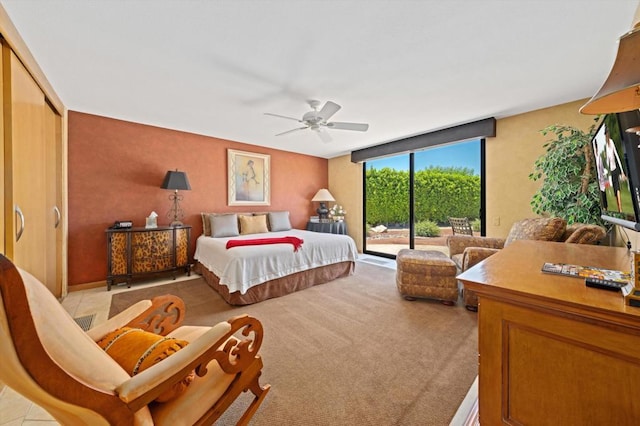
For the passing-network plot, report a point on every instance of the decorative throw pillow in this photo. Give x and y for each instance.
(243, 214)
(542, 229)
(225, 225)
(279, 221)
(206, 224)
(253, 224)
(135, 350)
(580, 233)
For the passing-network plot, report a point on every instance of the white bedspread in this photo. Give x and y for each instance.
(240, 268)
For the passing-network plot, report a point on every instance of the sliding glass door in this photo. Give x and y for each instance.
(409, 197)
(387, 205)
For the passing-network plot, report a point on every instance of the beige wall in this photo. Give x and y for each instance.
(345, 184)
(509, 161)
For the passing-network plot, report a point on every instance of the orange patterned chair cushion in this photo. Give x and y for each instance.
(135, 350)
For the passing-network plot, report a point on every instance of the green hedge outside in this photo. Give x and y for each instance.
(439, 193)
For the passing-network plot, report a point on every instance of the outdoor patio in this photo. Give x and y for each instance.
(393, 240)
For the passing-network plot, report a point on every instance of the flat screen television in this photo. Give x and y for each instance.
(617, 162)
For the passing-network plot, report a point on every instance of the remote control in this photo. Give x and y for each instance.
(604, 284)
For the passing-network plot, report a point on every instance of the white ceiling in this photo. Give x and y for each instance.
(405, 67)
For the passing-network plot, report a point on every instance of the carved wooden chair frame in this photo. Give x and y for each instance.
(237, 356)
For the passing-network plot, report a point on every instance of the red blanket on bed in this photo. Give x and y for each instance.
(295, 241)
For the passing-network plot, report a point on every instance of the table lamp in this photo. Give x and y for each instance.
(176, 180)
(322, 196)
(621, 90)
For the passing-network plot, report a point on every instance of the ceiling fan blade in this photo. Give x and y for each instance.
(360, 127)
(324, 136)
(283, 116)
(292, 130)
(328, 110)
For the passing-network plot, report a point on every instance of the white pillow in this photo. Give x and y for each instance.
(225, 225)
(279, 221)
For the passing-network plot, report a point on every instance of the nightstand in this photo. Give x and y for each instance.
(328, 227)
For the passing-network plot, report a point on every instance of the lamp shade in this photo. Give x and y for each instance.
(176, 180)
(621, 91)
(323, 195)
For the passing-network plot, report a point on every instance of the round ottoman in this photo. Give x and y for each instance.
(426, 274)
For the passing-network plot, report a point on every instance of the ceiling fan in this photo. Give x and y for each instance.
(318, 120)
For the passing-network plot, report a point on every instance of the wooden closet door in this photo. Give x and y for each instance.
(4, 209)
(54, 206)
(25, 150)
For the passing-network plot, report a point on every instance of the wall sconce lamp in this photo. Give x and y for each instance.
(621, 90)
(323, 196)
(176, 180)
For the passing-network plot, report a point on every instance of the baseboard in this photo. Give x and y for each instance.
(467, 414)
(86, 286)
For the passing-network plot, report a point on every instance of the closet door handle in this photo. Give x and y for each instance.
(58, 216)
(21, 230)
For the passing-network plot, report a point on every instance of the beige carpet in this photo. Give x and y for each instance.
(349, 352)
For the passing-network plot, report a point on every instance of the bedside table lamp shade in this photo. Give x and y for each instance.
(322, 196)
(176, 180)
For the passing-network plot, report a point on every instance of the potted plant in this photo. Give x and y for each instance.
(570, 187)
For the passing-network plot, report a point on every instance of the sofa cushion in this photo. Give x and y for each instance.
(579, 233)
(457, 259)
(543, 229)
(135, 350)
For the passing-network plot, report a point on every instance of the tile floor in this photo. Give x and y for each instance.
(16, 411)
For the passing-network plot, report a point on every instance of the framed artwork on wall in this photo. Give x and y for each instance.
(248, 176)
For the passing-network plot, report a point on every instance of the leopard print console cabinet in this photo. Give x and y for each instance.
(133, 252)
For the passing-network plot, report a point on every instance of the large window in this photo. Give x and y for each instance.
(409, 197)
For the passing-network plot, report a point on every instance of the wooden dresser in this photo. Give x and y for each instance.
(551, 350)
(133, 252)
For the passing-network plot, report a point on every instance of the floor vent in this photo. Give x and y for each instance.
(85, 322)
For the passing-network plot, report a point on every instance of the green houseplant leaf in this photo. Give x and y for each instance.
(569, 183)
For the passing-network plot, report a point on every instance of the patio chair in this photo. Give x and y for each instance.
(461, 226)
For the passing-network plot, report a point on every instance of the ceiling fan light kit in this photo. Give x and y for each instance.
(317, 120)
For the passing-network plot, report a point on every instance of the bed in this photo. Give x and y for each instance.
(250, 274)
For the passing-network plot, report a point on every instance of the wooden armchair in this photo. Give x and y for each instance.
(51, 361)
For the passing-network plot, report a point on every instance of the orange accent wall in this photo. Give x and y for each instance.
(116, 169)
